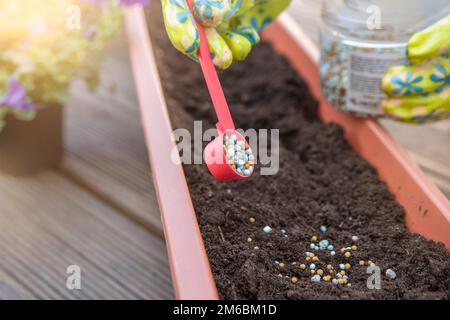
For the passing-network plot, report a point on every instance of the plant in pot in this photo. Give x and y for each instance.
(44, 46)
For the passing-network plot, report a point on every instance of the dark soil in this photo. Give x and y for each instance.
(321, 181)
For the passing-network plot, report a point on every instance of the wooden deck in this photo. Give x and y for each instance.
(99, 210)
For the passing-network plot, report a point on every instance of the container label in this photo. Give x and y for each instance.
(366, 69)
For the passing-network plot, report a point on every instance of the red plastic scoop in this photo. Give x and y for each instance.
(228, 156)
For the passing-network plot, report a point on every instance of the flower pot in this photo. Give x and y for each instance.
(191, 272)
(29, 147)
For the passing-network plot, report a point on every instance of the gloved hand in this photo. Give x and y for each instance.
(420, 92)
(232, 26)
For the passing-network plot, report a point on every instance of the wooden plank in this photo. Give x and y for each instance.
(48, 223)
(105, 148)
(11, 289)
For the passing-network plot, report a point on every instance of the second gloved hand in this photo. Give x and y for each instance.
(420, 92)
(232, 26)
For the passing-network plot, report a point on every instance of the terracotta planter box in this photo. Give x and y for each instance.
(427, 209)
(29, 147)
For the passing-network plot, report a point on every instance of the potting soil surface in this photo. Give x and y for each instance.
(321, 181)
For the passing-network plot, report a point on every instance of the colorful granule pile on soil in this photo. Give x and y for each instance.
(323, 263)
(321, 181)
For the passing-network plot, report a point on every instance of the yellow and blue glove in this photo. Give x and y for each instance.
(420, 91)
(232, 26)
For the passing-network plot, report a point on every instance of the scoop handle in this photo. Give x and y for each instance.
(212, 79)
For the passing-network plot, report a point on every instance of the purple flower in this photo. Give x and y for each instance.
(16, 97)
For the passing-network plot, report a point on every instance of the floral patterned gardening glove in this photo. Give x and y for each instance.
(420, 92)
(232, 26)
